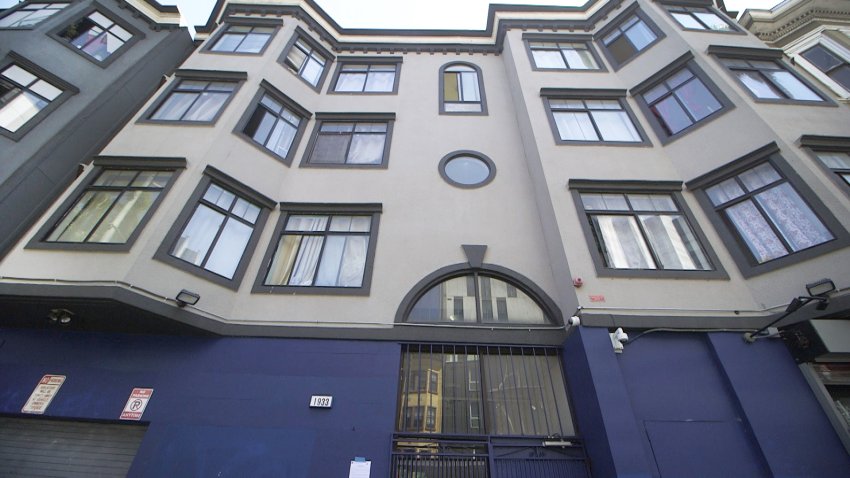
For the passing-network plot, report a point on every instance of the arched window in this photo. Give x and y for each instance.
(484, 296)
(461, 89)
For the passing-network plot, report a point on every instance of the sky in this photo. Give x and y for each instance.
(418, 14)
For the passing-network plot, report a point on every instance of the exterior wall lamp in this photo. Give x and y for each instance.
(185, 297)
(817, 293)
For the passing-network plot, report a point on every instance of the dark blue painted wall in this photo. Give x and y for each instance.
(223, 406)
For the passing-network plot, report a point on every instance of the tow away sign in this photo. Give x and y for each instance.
(136, 404)
(43, 394)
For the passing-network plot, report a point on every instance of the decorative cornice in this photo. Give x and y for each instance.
(772, 25)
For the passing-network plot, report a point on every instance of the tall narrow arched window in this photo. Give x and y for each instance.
(461, 89)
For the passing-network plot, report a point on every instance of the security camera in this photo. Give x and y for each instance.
(574, 321)
(618, 338)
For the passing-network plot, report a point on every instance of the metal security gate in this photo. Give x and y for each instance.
(40, 447)
(426, 457)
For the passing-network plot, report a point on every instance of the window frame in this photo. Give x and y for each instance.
(300, 33)
(137, 34)
(529, 38)
(441, 167)
(68, 90)
(685, 61)
(825, 399)
(228, 22)
(368, 61)
(747, 264)
(330, 209)
(627, 14)
(814, 144)
(721, 53)
(267, 88)
(321, 118)
(211, 176)
(673, 189)
(547, 94)
(21, 6)
(704, 5)
(482, 95)
(831, 42)
(235, 77)
(102, 163)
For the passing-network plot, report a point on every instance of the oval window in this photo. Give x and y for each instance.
(467, 170)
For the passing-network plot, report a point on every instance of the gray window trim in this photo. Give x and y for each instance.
(737, 249)
(388, 118)
(236, 77)
(68, 90)
(441, 167)
(684, 61)
(671, 188)
(100, 8)
(100, 163)
(247, 22)
(538, 295)
(527, 38)
(719, 52)
(627, 13)
(45, 21)
(213, 175)
(329, 57)
(583, 94)
(708, 5)
(481, 92)
(825, 400)
(332, 209)
(814, 144)
(366, 60)
(268, 88)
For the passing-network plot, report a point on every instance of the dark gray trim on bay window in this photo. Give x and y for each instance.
(216, 178)
(267, 89)
(13, 58)
(664, 132)
(234, 77)
(315, 46)
(738, 249)
(462, 100)
(587, 40)
(632, 11)
(108, 163)
(96, 7)
(581, 94)
(329, 211)
(355, 119)
(820, 145)
(274, 23)
(774, 91)
(368, 62)
(712, 268)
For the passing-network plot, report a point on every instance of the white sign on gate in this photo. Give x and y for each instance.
(136, 404)
(43, 394)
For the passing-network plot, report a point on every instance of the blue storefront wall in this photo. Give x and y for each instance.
(221, 406)
(697, 404)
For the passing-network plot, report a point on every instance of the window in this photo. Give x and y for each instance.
(345, 140)
(27, 95)
(30, 14)
(322, 248)
(306, 59)
(831, 384)
(522, 391)
(766, 214)
(833, 155)
(590, 117)
(678, 98)
(699, 18)
(243, 39)
(627, 36)
(274, 122)
(97, 37)
(461, 89)
(827, 61)
(838, 162)
(561, 53)
(196, 97)
(764, 76)
(367, 75)
(467, 169)
(216, 232)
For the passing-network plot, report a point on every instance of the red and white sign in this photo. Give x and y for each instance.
(43, 394)
(136, 404)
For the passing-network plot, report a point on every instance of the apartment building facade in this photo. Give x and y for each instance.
(318, 250)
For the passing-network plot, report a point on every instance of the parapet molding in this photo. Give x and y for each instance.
(794, 15)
